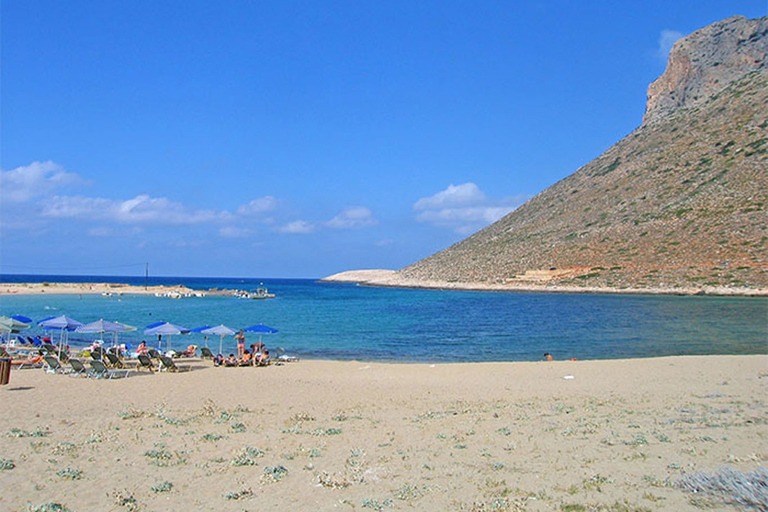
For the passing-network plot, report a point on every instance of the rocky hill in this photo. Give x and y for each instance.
(679, 203)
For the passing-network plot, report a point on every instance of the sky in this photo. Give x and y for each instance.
(297, 139)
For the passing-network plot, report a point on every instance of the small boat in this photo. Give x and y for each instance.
(261, 293)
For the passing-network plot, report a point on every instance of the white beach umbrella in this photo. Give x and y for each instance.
(220, 330)
(166, 329)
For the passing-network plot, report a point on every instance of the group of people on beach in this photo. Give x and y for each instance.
(258, 355)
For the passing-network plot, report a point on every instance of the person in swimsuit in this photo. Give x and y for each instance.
(240, 338)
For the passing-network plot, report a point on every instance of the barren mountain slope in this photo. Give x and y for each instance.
(680, 202)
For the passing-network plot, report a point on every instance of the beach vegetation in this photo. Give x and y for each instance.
(274, 474)
(326, 432)
(238, 427)
(247, 457)
(6, 464)
(212, 438)
(126, 499)
(94, 437)
(49, 507)
(330, 481)
(39, 432)
(374, 504)
(66, 449)
(69, 474)
(747, 490)
(164, 458)
(408, 492)
(242, 494)
(162, 487)
(131, 413)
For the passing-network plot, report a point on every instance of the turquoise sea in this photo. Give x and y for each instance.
(350, 322)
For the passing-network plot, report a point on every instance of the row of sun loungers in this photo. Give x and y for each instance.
(100, 369)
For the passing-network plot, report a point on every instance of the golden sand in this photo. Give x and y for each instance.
(320, 435)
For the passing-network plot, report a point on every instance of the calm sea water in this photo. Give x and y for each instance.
(345, 321)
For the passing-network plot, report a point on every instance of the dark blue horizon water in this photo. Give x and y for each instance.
(343, 321)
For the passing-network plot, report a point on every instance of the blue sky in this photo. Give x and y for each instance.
(303, 138)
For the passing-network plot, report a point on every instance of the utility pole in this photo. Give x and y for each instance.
(146, 276)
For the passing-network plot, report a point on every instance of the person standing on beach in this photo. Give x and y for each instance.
(240, 338)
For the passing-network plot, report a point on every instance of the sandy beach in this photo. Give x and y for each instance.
(538, 281)
(321, 435)
(85, 288)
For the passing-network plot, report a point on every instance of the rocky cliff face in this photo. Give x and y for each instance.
(706, 61)
(679, 203)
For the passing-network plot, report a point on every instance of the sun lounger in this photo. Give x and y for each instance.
(112, 361)
(206, 353)
(53, 365)
(78, 368)
(31, 361)
(287, 359)
(153, 353)
(145, 362)
(100, 371)
(167, 364)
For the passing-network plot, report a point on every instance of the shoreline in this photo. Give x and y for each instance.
(390, 279)
(373, 278)
(63, 288)
(351, 435)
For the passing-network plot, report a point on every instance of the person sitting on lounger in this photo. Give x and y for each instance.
(218, 360)
(257, 347)
(142, 348)
(247, 359)
(231, 360)
(33, 358)
(264, 357)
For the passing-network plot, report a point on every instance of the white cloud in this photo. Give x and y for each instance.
(454, 195)
(464, 208)
(138, 210)
(258, 205)
(667, 39)
(235, 232)
(37, 179)
(352, 218)
(298, 227)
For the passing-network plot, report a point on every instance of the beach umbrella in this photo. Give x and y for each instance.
(62, 323)
(102, 326)
(199, 330)
(260, 329)
(22, 318)
(166, 329)
(220, 330)
(9, 325)
(14, 324)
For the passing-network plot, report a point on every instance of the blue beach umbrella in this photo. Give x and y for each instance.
(199, 330)
(261, 329)
(22, 318)
(62, 323)
(220, 330)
